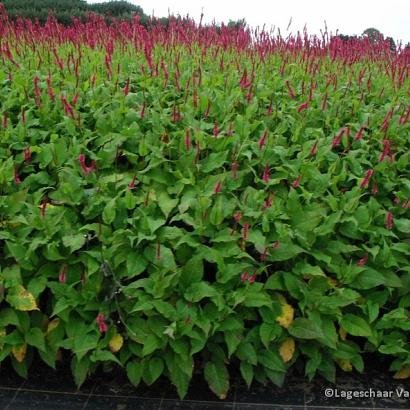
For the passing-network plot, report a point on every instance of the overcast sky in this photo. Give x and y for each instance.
(391, 17)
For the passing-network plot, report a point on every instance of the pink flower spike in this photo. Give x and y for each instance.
(245, 232)
(406, 203)
(303, 106)
(262, 140)
(62, 276)
(17, 179)
(215, 131)
(265, 175)
(234, 169)
(131, 185)
(252, 278)
(375, 189)
(238, 216)
(389, 221)
(218, 187)
(27, 154)
(263, 255)
(244, 276)
(296, 182)
(290, 89)
(313, 150)
(4, 120)
(187, 140)
(102, 326)
(363, 261)
(366, 179)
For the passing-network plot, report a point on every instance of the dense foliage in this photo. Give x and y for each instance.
(63, 10)
(184, 198)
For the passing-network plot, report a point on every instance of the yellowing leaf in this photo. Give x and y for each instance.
(52, 325)
(116, 343)
(21, 299)
(19, 352)
(403, 373)
(287, 349)
(342, 333)
(286, 318)
(345, 365)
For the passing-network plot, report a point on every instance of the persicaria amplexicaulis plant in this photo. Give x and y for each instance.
(151, 104)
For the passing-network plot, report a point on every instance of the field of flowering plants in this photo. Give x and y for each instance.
(197, 199)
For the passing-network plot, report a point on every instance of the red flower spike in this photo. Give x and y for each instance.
(386, 151)
(366, 179)
(244, 276)
(303, 106)
(252, 278)
(131, 185)
(262, 140)
(245, 232)
(218, 187)
(290, 89)
(17, 179)
(363, 261)
(238, 216)
(62, 276)
(359, 134)
(338, 138)
(127, 87)
(313, 150)
(187, 140)
(389, 221)
(296, 182)
(375, 189)
(4, 120)
(27, 154)
(324, 102)
(263, 255)
(265, 175)
(102, 326)
(406, 203)
(215, 131)
(234, 169)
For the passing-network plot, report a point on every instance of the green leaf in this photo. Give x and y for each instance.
(134, 372)
(247, 372)
(166, 203)
(303, 328)
(74, 242)
(104, 356)
(155, 368)
(108, 214)
(355, 325)
(368, 279)
(198, 291)
(271, 360)
(136, 264)
(284, 252)
(402, 225)
(217, 377)
(80, 369)
(151, 343)
(35, 337)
